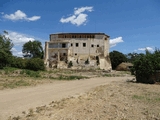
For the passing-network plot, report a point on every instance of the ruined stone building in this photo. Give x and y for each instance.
(78, 51)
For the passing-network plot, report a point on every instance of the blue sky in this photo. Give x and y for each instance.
(133, 25)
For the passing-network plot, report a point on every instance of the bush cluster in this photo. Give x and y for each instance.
(31, 64)
(146, 66)
(117, 58)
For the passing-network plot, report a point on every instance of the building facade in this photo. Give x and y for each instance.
(78, 50)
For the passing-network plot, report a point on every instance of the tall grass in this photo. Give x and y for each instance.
(8, 70)
(71, 77)
(31, 73)
(15, 84)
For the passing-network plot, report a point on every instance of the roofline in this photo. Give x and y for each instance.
(81, 34)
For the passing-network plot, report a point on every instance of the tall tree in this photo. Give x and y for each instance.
(34, 48)
(131, 57)
(117, 58)
(5, 49)
(146, 67)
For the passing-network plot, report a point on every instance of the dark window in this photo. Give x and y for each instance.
(92, 45)
(63, 45)
(64, 54)
(97, 45)
(84, 44)
(75, 53)
(71, 44)
(77, 44)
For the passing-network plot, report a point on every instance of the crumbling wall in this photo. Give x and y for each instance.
(82, 50)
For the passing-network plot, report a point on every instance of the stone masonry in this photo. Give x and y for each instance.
(78, 51)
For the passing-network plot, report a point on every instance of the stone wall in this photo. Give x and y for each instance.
(78, 48)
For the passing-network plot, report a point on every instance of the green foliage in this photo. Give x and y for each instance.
(87, 61)
(35, 64)
(18, 62)
(138, 97)
(148, 98)
(31, 73)
(8, 70)
(5, 50)
(33, 47)
(146, 66)
(31, 64)
(15, 84)
(117, 58)
(5, 43)
(131, 57)
(4, 59)
(70, 64)
(71, 77)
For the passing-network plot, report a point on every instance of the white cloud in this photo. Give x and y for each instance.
(19, 15)
(18, 38)
(34, 18)
(115, 41)
(78, 18)
(146, 48)
(69, 19)
(16, 52)
(82, 9)
(14, 49)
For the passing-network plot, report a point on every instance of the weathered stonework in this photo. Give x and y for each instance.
(83, 50)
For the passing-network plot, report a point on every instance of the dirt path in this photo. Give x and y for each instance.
(14, 102)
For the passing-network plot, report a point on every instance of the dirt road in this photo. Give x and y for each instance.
(14, 101)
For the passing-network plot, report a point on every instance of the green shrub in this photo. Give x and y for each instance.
(35, 64)
(8, 70)
(31, 73)
(15, 84)
(117, 58)
(87, 61)
(146, 66)
(4, 59)
(72, 77)
(70, 64)
(18, 62)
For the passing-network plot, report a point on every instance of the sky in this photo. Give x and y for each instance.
(133, 25)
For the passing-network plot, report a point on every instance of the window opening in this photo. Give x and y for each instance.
(63, 45)
(77, 44)
(84, 44)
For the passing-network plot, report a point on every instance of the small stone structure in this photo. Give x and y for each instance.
(124, 66)
(78, 51)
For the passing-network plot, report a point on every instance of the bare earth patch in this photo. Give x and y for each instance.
(118, 100)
